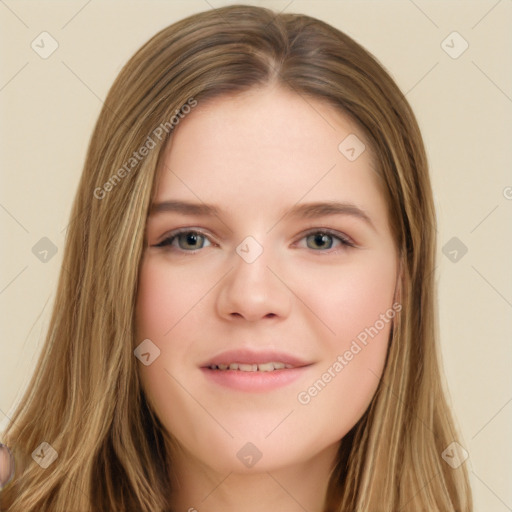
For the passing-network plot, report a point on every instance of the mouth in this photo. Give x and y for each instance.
(246, 370)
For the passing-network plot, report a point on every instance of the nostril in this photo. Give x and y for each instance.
(240, 315)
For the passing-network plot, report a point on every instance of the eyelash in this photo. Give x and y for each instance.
(346, 243)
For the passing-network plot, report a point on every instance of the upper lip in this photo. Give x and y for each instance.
(247, 356)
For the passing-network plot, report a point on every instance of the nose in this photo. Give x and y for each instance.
(251, 291)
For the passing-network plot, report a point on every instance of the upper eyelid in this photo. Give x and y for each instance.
(179, 231)
(173, 234)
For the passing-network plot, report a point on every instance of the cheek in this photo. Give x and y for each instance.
(165, 296)
(356, 303)
(350, 298)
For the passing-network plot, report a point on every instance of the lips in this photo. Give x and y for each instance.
(254, 371)
(248, 360)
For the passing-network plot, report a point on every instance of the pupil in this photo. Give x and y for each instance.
(191, 239)
(321, 239)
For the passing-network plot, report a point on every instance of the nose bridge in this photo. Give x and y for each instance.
(251, 263)
(251, 290)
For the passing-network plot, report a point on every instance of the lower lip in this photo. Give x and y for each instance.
(254, 381)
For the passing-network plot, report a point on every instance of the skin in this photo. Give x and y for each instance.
(256, 155)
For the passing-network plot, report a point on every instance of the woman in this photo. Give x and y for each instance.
(246, 312)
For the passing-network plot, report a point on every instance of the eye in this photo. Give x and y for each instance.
(188, 240)
(323, 240)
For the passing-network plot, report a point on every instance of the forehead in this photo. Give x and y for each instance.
(267, 148)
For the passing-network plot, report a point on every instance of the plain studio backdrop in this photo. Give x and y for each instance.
(451, 59)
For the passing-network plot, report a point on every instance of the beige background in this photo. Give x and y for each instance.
(464, 107)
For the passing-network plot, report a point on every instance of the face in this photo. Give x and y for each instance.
(267, 284)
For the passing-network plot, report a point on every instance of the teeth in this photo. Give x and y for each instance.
(243, 367)
(266, 367)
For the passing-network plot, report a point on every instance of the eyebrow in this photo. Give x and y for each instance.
(304, 210)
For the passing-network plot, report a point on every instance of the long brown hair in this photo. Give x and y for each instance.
(85, 399)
